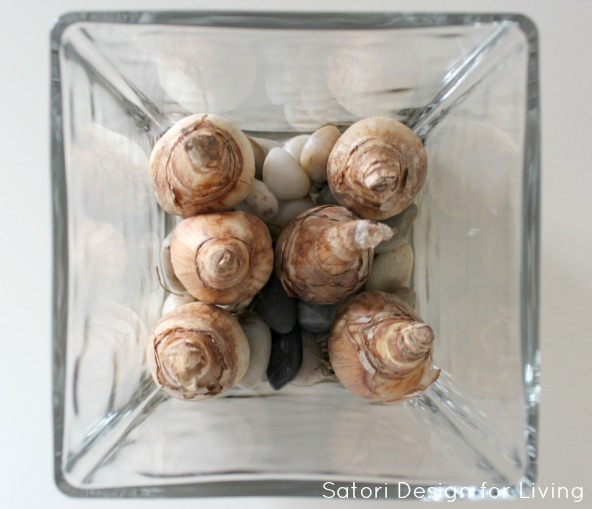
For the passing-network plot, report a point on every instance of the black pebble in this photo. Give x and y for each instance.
(286, 357)
(316, 318)
(275, 308)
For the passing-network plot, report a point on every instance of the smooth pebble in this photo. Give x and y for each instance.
(326, 197)
(312, 370)
(294, 146)
(259, 337)
(284, 176)
(316, 318)
(262, 201)
(289, 209)
(275, 307)
(189, 72)
(366, 82)
(296, 115)
(286, 357)
(316, 150)
(260, 154)
(238, 307)
(318, 101)
(402, 223)
(283, 75)
(244, 207)
(391, 270)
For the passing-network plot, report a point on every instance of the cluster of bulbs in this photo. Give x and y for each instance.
(201, 169)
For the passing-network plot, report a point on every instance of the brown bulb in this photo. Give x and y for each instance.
(377, 168)
(325, 254)
(197, 351)
(223, 257)
(380, 348)
(203, 163)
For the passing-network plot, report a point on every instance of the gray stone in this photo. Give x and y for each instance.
(326, 197)
(316, 318)
(391, 270)
(402, 223)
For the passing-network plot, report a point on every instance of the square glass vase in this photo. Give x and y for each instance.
(467, 84)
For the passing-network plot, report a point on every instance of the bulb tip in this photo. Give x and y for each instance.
(369, 234)
(422, 334)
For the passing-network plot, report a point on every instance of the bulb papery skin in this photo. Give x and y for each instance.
(325, 254)
(377, 168)
(222, 258)
(197, 351)
(380, 348)
(203, 163)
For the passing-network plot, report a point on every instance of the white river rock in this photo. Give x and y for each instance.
(283, 176)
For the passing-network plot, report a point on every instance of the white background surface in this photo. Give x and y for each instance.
(26, 465)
